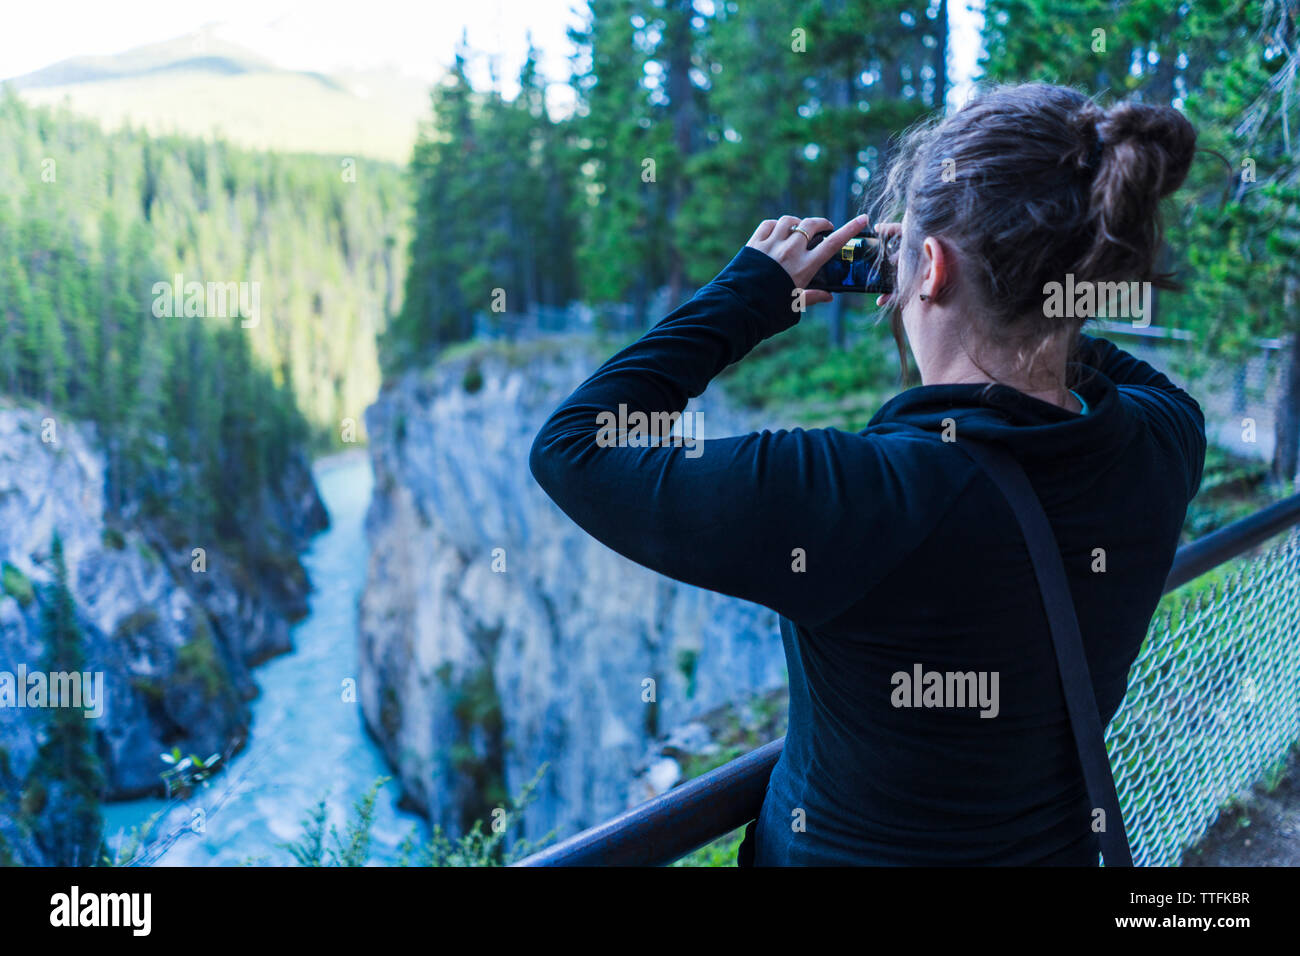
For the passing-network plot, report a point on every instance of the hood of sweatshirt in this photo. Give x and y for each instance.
(1034, 431)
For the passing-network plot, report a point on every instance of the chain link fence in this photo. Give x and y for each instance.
(1213, 703)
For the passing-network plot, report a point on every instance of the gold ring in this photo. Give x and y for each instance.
(799, 229)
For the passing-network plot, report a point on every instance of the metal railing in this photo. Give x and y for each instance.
(1209, 709)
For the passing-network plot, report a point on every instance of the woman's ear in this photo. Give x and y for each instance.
(936, 267)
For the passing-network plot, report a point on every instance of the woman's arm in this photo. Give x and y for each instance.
(731, 514)
(1169, 409)
(1121, 367)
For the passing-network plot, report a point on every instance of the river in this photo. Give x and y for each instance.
(305, 739)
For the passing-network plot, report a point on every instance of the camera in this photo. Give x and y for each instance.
(863, 265)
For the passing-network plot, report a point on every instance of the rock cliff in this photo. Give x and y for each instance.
(174, 643)
(497, 636)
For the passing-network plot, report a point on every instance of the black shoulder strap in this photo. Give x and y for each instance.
(1080, 698)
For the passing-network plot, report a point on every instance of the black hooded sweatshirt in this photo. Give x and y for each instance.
(889, 552)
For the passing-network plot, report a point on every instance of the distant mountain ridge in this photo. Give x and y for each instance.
(153, 57)
(199, 84)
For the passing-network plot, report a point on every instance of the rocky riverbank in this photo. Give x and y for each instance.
(174, 626)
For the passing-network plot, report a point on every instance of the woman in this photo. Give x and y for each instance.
(888, 553)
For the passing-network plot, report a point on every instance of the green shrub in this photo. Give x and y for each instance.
(1232, 487)
(721, 852)
(350, 849)
(17, 585)
(473, 379)
(390, 712)
(320, 845)
(33, 800)
(148, 687)
(688, 659)
(138, 621)
(477, 706)
(198, 661)
(800, 376)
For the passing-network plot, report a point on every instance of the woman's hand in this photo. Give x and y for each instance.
(777, 238)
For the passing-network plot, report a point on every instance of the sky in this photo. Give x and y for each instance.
(414, 36)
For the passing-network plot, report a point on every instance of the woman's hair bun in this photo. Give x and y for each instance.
(1156, 141)
(1145, 154)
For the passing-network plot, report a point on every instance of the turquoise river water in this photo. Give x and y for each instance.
(306, 740)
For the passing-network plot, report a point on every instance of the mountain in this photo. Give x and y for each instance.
(201, 85)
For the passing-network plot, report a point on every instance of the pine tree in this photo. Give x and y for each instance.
(66, 776)
(1233, 234)
(623, 237)
(434, 311)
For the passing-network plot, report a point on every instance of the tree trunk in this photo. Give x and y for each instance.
(839, 206)
(1286, 449)
(681, 96)
(941, 58)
